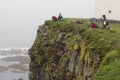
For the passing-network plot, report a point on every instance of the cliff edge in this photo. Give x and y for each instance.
(64, 50)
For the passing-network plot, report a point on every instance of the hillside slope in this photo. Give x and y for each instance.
(64, 50)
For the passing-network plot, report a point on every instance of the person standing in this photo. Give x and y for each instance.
(105, 22)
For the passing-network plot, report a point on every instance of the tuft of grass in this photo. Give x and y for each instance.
(110, 71)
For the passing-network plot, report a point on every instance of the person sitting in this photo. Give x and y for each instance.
(54, 18)
(60, 17)
(93, 25)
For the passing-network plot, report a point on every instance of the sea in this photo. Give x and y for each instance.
(14, 64)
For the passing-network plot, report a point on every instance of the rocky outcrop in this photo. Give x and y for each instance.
(68, 51)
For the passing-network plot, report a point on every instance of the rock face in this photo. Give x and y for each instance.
(68, 51)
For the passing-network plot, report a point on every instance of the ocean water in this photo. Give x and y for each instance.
(14, 64)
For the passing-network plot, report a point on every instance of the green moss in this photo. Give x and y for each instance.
(110, 71)
(110, 57)
(110, 67)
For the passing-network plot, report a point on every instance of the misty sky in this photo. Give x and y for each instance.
(19, 19)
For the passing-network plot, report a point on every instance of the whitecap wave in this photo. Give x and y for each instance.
(11, 52)
(13, 48)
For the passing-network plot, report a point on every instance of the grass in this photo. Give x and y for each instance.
(106, 42)
(110, 65)
(114, 26)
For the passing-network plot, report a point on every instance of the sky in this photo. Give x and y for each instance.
(19, 19)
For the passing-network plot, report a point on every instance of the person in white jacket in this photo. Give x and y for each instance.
(105, 22)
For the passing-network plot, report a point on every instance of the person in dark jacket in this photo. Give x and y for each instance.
(60, 17)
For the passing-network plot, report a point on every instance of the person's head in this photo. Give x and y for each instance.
(104, 17)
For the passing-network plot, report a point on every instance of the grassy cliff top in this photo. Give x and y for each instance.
(70, 23)
(99, 41)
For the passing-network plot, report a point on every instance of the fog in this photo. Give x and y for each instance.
(19, 19)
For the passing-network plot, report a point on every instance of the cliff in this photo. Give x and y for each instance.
(64, 50)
